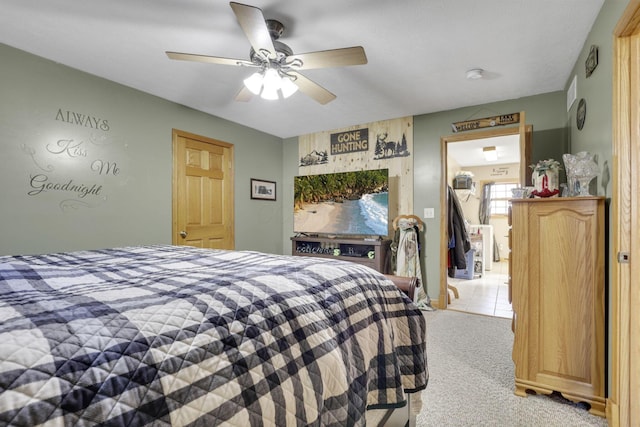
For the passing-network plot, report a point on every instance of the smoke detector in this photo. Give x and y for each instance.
(475, 74)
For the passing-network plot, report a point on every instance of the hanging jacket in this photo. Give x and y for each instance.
(408, 253)
(459, 243)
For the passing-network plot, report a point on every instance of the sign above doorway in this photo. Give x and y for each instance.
(504, 119)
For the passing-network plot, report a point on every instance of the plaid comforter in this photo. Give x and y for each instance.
(165, 335)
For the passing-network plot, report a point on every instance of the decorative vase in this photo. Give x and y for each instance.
(545, 178)
(581, 169)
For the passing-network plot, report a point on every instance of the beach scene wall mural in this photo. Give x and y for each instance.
(363, 209)
(354, 203)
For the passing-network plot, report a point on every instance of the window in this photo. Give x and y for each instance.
(500, 195)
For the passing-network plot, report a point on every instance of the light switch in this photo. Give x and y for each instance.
(429, 213)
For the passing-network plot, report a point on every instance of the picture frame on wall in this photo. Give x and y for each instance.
(263, 190)
(592, 61)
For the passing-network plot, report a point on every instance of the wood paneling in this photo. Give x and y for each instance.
(400, 168)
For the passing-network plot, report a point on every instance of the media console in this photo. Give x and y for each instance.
(372, 253)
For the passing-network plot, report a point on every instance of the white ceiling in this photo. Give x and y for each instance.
(418, 52)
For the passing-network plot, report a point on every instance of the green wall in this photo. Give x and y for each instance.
(133, 204)
(597, 90)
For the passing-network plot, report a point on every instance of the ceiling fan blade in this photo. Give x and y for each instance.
(244, 95)
(253, 24)
(209, 59)
(312, 89)
(330, 58)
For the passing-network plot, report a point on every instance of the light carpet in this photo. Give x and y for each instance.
(471, 379)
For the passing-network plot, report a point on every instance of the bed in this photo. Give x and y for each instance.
(179, 336)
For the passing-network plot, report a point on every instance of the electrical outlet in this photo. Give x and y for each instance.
(429, 213)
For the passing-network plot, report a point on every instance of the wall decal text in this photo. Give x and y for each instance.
(500, 171)
(68, 147)
(40, 183)
(84, 120)
(78, 169)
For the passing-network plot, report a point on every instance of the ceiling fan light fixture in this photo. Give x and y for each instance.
(254, 82)
(270, 94)
(490, 153)
(270, 85)
(272, 57)
(287, 86)
(267, 83)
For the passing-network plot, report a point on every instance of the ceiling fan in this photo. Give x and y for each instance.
(278, 66)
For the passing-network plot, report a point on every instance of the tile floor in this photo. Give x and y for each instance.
(487, 295)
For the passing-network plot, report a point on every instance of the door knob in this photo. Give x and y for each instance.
(183, 234)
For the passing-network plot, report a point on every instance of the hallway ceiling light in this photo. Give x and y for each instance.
(490, 153)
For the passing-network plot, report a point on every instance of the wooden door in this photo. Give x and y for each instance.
(202, 192)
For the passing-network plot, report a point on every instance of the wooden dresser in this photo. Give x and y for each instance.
(558, 297)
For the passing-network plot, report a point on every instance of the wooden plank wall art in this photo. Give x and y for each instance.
(380, 145)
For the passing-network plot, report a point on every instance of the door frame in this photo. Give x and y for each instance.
(623, 403)
(525, 132)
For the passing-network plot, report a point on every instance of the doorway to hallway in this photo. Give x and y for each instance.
(488, 294)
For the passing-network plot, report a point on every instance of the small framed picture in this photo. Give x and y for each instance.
(592, 61)
(263, 190)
